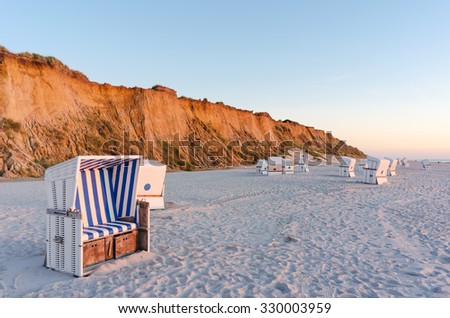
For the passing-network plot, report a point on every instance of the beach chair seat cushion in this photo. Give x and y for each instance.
(106, 229)
(100, 196)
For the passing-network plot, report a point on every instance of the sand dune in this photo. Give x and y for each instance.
(233, 233)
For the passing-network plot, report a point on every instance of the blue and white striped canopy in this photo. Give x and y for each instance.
(106, 189)
(104, 163)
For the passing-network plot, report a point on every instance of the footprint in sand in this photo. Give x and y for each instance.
(283, 287)
(26, 275)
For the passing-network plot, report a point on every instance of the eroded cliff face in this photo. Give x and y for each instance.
(49, 113)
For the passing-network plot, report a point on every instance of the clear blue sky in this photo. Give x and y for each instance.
(375, 73)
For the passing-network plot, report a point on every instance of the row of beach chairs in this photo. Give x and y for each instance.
(279, 165)
(376, 170)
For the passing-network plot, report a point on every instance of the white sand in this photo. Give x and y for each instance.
(235, 234)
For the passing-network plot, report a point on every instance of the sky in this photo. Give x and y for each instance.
(374, 73)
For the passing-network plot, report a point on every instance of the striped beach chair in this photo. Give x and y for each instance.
(97, 211)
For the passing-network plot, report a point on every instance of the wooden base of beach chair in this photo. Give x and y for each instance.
(144, 226)
(143, 240)
(125, 243)
(93, 252)
(110, 247)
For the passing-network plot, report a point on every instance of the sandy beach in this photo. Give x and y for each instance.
(232, 233)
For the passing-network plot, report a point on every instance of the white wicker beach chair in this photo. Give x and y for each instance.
(376, 171)
(288, 165)
(97, 210)
(261, 167)
(404, 162)
(392, 166)
(426, 164)
(362, 163)
(275, 165)
(302, 166)
(347, 168)
(151, 180)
